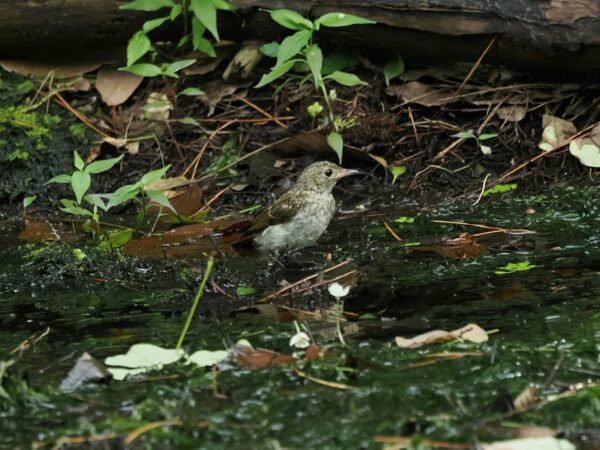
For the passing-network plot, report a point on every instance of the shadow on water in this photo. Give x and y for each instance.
(547, 322)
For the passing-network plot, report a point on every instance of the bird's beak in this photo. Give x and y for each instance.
(347, 173)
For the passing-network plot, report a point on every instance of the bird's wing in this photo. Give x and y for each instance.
(281, 210)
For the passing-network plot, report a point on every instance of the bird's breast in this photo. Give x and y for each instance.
(302, 230)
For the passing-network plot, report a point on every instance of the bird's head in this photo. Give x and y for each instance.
(322, 176)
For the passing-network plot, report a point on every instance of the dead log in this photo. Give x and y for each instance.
(548, 35)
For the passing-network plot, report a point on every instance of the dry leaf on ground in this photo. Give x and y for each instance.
(556, 132)
(115, 86)
(471, 332)
(417, 92)
(61, 69)
(37, 231)
(260, 358)
(587, 149)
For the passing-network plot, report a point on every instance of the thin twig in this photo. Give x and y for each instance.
(260, 110)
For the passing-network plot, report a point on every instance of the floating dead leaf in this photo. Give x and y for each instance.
(86, 369)
(471, 332)
(587, 149)
(526, 399)
(532, 431)
(514, 113)
(463, 247)
(314, 352)
(188, 240)
(533, 443)
(245, 60)
(556, 131)
(37, 231)
(259, 358)
(420, 93)
(61, 69)
(116, 86)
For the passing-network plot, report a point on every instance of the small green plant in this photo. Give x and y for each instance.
(485, 149)
(81, 180)
(27, 201)
(198, 16)
(300, 50)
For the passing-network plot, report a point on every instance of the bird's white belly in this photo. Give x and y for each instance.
(302, 230)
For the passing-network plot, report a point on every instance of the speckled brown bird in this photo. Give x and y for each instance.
(300, 216)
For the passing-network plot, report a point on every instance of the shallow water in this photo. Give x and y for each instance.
(546, 321)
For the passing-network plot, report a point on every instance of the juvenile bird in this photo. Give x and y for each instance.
(300, 216)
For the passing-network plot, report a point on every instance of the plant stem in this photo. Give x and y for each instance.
(321, 83)
(209, 266)
(338, 316)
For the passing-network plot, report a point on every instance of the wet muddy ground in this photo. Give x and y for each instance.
(537, 294)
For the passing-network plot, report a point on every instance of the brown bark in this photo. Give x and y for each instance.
(557, 35)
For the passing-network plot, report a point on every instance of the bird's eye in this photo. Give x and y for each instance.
(328, 172)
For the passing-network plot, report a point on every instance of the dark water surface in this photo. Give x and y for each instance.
(546, 321)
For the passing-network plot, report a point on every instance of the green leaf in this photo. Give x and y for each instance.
(242, 291)
(291, 20)
(314, 59)
(80, 182)
(160, 198)
(148, 5)
(123, 194)
(153, 24)
(404, 219)
(116, 239)
(345, 78)
(95, 200)
(154, 175)
(336, 142)
(223, 5)
(137, 47)
(314, 109)
(205, 12)
(393, 69)
(77, 161)
(292, 45)
(397, 171)
(339, 19)
(515, 267)
(465, 135)
(275, 73)
(27, 201)
(189, 121)
(270, 49)
(191, 92)
(77, 211)
(143, 70)
(339, 61)
(141, 358)
(499, 188)
(178, 65)
(198, 42)
(175, 12)
(103, 165)
(486, 136)
(63, 179)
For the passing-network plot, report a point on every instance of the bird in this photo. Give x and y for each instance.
(299, 217)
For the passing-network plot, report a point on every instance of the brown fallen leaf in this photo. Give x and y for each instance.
(245, 60)
(61, 69)
(514, 113)
(526, 399)
(471, 332)
(463, 247)
(37, 231)
(115, 86)
(556, 131)
(420, 93)
(260, 358)
(587, 149)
